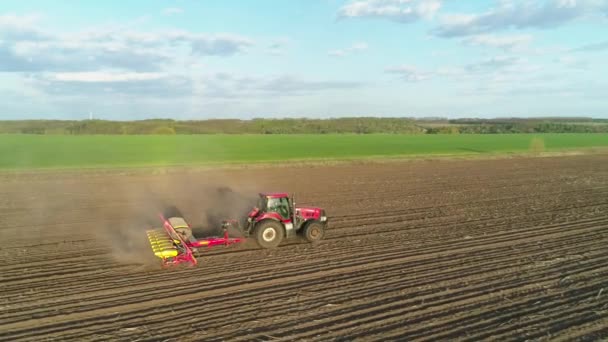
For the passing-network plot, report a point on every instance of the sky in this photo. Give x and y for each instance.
(131, 60)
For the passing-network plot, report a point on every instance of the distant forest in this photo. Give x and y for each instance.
(359, 125)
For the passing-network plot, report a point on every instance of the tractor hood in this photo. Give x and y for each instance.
(311, 213)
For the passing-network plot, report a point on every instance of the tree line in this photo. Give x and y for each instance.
(358, 125)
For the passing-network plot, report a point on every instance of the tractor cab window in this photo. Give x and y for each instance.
(280, 206)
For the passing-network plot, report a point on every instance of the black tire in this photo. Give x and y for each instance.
(269, 234)
(314, 231)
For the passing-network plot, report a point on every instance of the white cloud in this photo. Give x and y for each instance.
(410, 73)
(359, 46)
(354, 48)
(506, 42)
(24, 27)
(27, 47)
(150, 85)
(106, 76)
(225, 85)
(278, 46)
(493, 69)
(403, 11)
(592, 47)
(336, 53)
(173, 11)
(104, 83)
(572, 62)
(493, 64)
(219, 45)
(519, 14)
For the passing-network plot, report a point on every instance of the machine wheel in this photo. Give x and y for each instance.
(269, 234)
(314, 231)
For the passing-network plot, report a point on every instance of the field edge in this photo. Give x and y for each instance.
(312, 162)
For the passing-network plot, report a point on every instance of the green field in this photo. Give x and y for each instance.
(64, 151)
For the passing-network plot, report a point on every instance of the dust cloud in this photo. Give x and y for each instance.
(111, 212)
(204, 203)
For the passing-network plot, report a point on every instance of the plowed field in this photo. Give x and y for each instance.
(510, 249)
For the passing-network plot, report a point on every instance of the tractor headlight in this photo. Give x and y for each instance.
(323, 218)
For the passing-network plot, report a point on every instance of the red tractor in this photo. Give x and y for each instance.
(274, 218)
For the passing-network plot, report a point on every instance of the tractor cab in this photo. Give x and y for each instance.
(277, 206)
(278, 203)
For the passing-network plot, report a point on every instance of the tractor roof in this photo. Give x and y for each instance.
(275, 194)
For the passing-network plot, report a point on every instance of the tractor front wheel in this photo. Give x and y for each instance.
(314, 231)
(269, 234)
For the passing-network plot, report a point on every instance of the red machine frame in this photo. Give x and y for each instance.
(186, 249)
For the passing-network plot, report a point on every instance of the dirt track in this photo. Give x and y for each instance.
(441, 250)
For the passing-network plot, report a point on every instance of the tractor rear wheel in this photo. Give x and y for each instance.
(269, 234)
(314, 231)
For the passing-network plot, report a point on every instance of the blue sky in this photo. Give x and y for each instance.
(303, 58)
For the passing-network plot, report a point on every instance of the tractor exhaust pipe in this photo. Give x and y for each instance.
(295, 217)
